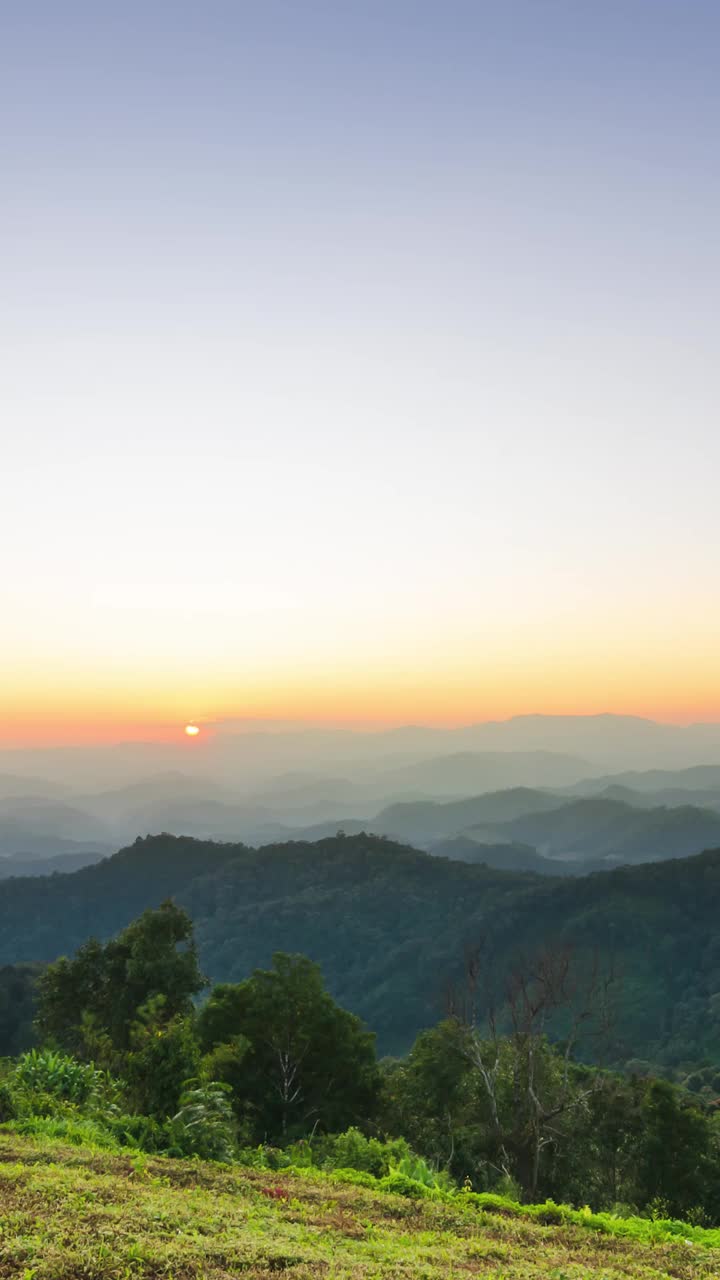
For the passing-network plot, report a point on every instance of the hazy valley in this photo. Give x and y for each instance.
(560, 805)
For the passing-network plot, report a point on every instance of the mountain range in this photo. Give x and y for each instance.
(241, 754)
(621, 817)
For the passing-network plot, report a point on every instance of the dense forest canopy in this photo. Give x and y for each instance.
(391, 926)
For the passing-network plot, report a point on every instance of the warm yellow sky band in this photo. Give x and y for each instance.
(97, 706)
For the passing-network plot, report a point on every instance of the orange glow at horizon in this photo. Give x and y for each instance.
(77, 715)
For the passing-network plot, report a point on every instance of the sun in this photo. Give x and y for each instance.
(192, 730)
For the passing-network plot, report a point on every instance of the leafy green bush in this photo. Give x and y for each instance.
(163, 1056)
(352, 1150)
(350, 1153)
(141, 1132)
(296, 1155)
(490, 1201)
(549, 1213)
(205, 1126)
(80, 1131)
(261, 1157)
(8, 1102)
(401, 1185)
(43, 1071)
(355, 1177)
(418, 1170)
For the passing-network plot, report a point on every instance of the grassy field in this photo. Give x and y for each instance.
(69, 1213)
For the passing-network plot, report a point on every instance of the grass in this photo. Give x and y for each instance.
(78, 1213)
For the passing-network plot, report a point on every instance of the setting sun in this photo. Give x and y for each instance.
(192, 730)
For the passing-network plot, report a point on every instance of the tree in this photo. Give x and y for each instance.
(100, 992)
(434, 1099)
(676, 1166)
(534, 1092)
(605, 1153)
(17, 1007)
(163, 1056)
(297, 1061)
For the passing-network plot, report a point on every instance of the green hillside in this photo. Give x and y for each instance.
(45, 916)
(69, 1213)
(390, 926)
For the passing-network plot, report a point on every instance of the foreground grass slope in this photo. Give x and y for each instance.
(75, 1214)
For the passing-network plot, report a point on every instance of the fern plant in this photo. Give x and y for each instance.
(205, 1126)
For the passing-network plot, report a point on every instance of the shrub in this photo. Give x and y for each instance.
(43, 1071)
(352, 1150)
(401, 1185)
(355, 1177)
(261, 1157)
(8, 1102)
(143, 1132)
(80, 1131)
(205, 1126)
(492, 1203)
(164, 1055)
(418, 1170)
(549, 1214)
(297, 1155)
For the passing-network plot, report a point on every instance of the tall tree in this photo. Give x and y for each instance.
(17, 1007)
(534, 1092)
(301, 1061)
(100, 991)
(434, 1099)
(676, 1166)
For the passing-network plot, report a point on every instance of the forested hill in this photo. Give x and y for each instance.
(390, 928)
(42, 917)
(390, 925)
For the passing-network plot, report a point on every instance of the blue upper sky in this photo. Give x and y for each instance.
(435, 283)
(430, 161)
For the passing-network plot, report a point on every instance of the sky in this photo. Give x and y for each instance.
(358, 362)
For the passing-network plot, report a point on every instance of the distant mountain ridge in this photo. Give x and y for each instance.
(615, 823)
(184, 803)
(232, 750)
(701, 777)
(468, 772)
(594, 830)
(503, 857)
(599, 827)
(426, 820)
(72, 858)
(256, 787)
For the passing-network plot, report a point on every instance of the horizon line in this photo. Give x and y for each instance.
(215, 729)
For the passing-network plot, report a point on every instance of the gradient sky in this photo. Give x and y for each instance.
(359, 361)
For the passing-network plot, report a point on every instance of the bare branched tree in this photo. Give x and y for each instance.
(532, 1093)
